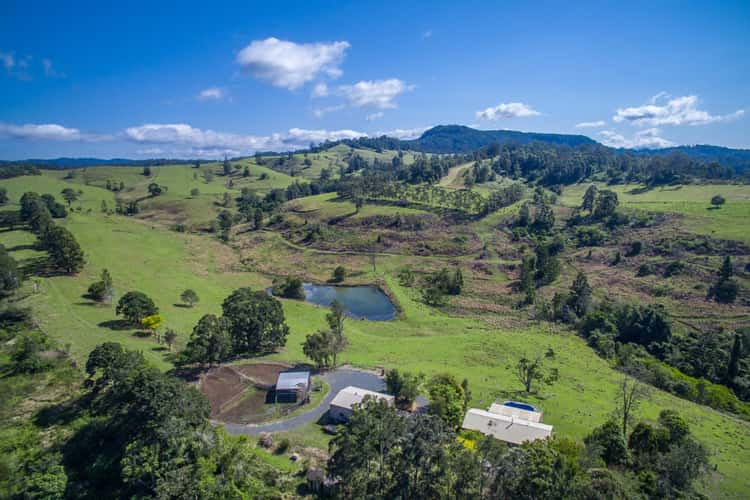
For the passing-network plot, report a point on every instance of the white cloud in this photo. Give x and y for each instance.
(8, 60)
(47, 132)
(599, 123)
(320, 90)
(321, 112)
(374, 116)
(375, 93)
(507, 110)
(210, 142)
(50, 71)
(643, 139)
(675, 111)
(212, 94)
(403, 133)
(290, 65)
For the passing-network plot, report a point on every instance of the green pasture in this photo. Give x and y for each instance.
(693, 202)
(161, 263)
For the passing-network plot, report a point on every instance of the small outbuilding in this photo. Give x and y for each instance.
(292, 387)
(342, 405)
(506, 428)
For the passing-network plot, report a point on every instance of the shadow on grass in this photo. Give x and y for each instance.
(182, 306)
(31, 246)
(160, 348)
(62, 413)
(141, 334)
(117, 324)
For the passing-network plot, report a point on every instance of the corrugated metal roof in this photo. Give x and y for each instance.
(289, 381)
(510, 411)
(351, 395)
(505, 428)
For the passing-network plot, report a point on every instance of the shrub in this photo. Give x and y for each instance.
(283, 446)
(673, 268)
(289, 288)
(590, 236)
(645, 270)
(725, 291)
(339, 274)
(635, 249)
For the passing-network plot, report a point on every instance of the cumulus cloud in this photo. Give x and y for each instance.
(375, 93)
(403, 133)
(321, 112)
(664, 109)
(643, 139)
(290, 65)
(507, 110)
(212, 94)
(8, 60)
(374, 116)
(320, 90)
(211, 142)
(47, 132)
(599, 123)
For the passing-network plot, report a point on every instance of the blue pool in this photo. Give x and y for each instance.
(520, 406)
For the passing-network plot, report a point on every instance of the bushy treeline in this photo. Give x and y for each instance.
(379, 186)
(65, 253)
(383, 454)
(17, 170)
(139, 433)
(552, 165)
(711, 368)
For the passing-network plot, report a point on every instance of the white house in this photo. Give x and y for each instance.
(506, 428)
(341, 406)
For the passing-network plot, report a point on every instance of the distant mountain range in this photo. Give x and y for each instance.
(462, 139)
(454, 139)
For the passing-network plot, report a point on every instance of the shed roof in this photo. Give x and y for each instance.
(505, 428)
(511, 411)
(290, 381)
(351, 395)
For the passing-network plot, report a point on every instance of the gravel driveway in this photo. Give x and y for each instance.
(336, 381)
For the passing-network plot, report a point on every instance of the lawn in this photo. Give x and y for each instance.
(731, 221)
(162, 264)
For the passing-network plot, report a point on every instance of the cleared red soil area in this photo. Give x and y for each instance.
(238, 394)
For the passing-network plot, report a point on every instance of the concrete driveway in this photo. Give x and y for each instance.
(336, 381)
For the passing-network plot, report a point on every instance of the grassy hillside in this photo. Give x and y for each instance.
(482, 347)
(692, 203)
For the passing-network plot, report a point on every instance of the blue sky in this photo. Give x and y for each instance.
(191, 79)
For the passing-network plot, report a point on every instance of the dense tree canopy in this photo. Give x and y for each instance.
(256, 320)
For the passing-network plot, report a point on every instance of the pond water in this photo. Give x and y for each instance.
(360, 302)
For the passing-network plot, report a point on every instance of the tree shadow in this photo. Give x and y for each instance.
(30, 246)
(62, 413)
(160, 348)
(181, 306)
(117, 324)
(141, 334)
(713, 208)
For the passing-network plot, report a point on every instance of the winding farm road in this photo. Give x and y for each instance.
(336, 381)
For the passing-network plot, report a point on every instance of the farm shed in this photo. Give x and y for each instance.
(341, 406)
(292, 387)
